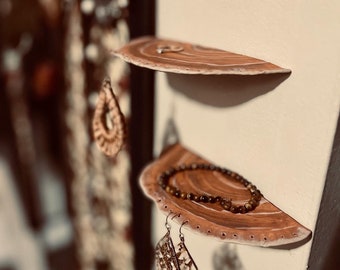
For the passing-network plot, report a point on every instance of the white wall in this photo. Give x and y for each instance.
(275, 131)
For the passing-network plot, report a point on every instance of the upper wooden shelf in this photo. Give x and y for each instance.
(186, 58)
(266, 226)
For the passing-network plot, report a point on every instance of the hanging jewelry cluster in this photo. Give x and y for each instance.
(225, 203)
(169, 257)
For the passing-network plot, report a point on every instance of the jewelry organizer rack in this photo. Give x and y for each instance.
(186, 58)
(264, 225)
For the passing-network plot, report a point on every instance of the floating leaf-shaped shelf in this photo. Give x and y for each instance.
(265, 226)
(180, 57)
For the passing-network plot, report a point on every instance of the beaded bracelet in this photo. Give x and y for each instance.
(226, 203)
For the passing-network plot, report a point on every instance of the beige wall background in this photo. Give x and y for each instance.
(275, 130)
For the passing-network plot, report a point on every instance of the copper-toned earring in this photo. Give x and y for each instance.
(183, 255)
(108, 123)
(165, 253)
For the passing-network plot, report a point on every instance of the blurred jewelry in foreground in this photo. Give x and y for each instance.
(109, 128)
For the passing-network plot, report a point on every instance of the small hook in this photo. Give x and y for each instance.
(166, 221)
(175, 215)
(180, 228)
(167, 225)
(181, 235)
(108, 89)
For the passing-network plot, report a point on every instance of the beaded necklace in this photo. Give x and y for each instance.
(225, 203)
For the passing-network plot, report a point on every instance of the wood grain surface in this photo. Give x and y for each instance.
(265, 226)
(181, 57)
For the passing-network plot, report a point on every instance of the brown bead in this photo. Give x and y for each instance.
(200, 166)
(218, 199)
(190, 196)
(183, 167)
(169, 172)
(245, 182)
(162, 182)
(226, 171)
(253, 203)
(163, 186)
(242, 209)
(184, 195)
(193, 166)
(226, 204)
(248, 206)
(218, 169)
(212, 167)
(254, 189)
(212, 199)
(163, 175)
(204, 198)
(256, 192)
(256, 195)
(257, 198)
(233, 209)
(172, 191)
(177, 193)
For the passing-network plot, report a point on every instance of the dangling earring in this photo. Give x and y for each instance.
(185, 260)
(109, 134)
(165, 253)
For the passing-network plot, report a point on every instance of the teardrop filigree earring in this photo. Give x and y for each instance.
(183, 255)
(165, 253)
(108, 123)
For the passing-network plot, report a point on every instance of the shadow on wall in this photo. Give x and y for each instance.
(224, 90)
(217, 91)
(226, 258)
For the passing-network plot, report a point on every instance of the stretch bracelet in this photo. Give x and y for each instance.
(225, 203)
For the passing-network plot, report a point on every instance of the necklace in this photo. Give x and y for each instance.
(225, 203)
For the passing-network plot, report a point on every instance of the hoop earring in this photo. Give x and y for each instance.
(108, 123)
(184, 257)
(165, 253)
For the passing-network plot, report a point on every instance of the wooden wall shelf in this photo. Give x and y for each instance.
(266, 226)
(186, 58)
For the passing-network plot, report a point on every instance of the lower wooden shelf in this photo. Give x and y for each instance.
(266, 226)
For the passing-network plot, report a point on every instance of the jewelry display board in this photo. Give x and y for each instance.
(265, 226)
(186, 58)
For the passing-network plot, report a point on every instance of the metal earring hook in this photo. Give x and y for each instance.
(181, 235)
(167, 225)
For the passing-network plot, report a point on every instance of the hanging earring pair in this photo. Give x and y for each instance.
(109, 128)
(168, 256)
